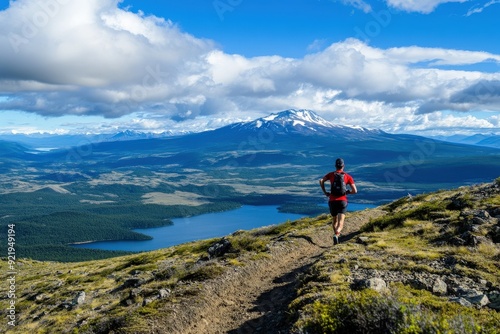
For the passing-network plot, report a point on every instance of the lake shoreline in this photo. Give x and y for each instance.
(205, 226)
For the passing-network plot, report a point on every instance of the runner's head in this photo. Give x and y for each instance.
(339, 163)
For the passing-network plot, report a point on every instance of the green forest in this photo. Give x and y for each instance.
(47, 222)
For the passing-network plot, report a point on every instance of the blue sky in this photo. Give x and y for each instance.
(93, 66)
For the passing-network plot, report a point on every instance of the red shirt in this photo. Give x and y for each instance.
(348, 180)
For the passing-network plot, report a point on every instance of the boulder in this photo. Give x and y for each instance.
(480, 299)
(79, 298)
(456, 241)
(458, 202)
(439, 287)
(374, 283)
(164, 293)
(494, 298)
(362, 240)
(462, 301)
(219, 248)
(130, 283)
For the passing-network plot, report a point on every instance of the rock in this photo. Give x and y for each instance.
(164, 293)
(481, 214)
(469, 239)
(478, 221)
(483, 282)
(41, 297)
(462, 301)
(479, 299)
(219, 248)
(458, 202)
(456, 241)
(79, 298)
(418, 284)
(475, 229)
(375, 283)
(362, 240)
(439, 288)
(130, 283)
(134, 293)
(494, 298)
(127, 302)
(66, 306)
(466, 292)
(475, 240)
(450, 261)
(483, 240)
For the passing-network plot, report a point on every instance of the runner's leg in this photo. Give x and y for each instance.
(339, 225)
(334, 223)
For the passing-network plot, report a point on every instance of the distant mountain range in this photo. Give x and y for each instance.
(302, 121)
(45, 142)
(488, 140)
(285, 150)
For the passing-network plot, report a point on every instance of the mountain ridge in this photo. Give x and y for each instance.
(291, 121)
(487, 140)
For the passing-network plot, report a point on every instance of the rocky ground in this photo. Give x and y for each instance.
(255, 298)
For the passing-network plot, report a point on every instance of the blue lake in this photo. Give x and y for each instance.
(206, 226)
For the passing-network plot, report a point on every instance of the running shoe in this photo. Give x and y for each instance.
(335, 239)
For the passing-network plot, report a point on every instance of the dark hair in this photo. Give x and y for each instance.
(339, 163)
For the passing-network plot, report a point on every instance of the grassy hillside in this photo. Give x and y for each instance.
(430, 265)
(427, 264)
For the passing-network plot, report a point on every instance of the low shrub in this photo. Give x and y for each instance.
(366, 311)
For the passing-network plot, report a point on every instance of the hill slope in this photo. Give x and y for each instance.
(425, 264)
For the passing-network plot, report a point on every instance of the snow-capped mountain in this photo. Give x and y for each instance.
(300, 121)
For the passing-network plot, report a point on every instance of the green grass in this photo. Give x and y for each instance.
(401, 310)
(405, 241)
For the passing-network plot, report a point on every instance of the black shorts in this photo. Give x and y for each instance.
(337, 207)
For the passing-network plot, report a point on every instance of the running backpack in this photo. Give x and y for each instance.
(338, 185)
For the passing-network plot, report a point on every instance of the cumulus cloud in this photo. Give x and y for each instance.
(483, 95)
(420, 6)
(98, 58)
(90, 57)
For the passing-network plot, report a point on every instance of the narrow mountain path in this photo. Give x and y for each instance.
(255, 298)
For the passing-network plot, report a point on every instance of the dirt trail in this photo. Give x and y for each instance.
(255, 298)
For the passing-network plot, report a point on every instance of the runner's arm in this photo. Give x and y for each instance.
(322, 184)
(353, 190)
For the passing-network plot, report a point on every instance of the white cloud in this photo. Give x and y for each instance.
(480, 8)
(92, 54)
(358, 4)
(93, 58)
(421, 6)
